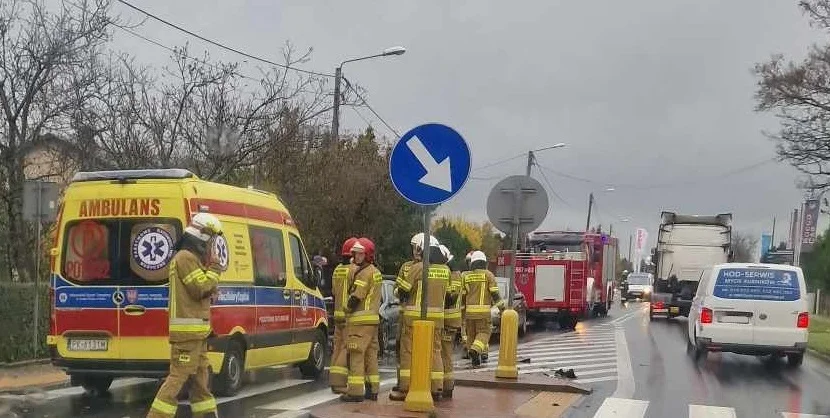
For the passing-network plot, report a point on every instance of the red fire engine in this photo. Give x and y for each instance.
(565, 275)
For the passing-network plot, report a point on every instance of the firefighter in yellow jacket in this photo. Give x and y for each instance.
(416, 242)
(339, 370)
(191, 288)
(482, 293)
(452, 324)
(438, 276)
(362, 321)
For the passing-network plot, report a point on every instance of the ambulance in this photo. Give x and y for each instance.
(117, 232)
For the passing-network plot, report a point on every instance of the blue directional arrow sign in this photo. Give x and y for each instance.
(430, 164)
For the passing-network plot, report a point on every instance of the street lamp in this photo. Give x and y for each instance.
(338, 76)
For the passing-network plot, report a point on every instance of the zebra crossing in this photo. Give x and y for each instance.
(633, 408)
(591, 353)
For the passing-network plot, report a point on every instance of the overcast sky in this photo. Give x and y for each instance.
(645, 93)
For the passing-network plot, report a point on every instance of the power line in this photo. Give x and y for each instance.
(552, 190)
(361, 116)
(215, 43)
(502, 161)
(365, 103)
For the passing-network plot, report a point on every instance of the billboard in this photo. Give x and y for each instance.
(640, 240)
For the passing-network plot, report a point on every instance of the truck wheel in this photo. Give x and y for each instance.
(523, 325)
(313, 367)
(795, 360)
(233, 369)
(563, 320)
(96, 386)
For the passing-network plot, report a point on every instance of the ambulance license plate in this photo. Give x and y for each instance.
(88, 344)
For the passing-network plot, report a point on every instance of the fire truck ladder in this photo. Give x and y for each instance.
(576, 285)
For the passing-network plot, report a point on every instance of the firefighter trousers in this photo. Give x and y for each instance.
(339, 369)
(359, 339)
(188, 361)
(478, 334)
(437, 365)
(447, 349)
(371, 364)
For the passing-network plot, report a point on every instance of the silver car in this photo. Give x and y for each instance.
(519, 305)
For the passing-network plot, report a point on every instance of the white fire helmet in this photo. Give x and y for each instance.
(446, 251)
(478, 256)
(204, 226)
(418, 241)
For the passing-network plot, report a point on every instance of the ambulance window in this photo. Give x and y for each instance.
(302, 268)
(269, 256)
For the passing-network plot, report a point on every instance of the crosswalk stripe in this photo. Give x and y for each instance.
(568, 345)
(595, 372)
(597, 379)
(617, 407)
(705, 411)
(563, 350)
(555, 364)
(555, 355)
(797, 415)
(579, 370)
(311, 399)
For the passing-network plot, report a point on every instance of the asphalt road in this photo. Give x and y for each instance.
(667, 382)
(269, 393)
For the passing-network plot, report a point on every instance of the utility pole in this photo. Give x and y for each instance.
(630, 239)
(335, 122)
(530, 159)
(590, 206)
(772, 238)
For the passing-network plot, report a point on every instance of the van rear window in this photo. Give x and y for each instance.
(757, 284)
(124, 252)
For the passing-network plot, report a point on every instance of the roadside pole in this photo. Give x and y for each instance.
(428, 166)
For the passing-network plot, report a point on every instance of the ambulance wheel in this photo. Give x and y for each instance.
(313, 367)
(233, 370)
(96, 385)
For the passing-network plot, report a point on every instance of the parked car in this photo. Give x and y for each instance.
(519, 305)
(389, 315)
(754, 309)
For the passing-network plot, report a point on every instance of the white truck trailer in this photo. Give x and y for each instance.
(687, 247)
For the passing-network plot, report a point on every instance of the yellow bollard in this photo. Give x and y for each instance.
(507, 345)
(419, 397)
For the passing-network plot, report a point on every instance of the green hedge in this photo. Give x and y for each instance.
(17, 316)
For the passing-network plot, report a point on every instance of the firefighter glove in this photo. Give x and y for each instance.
(353, 302)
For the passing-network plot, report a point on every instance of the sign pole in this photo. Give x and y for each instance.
(425, 257)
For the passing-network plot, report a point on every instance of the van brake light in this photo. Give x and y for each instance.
(658, 305)
(706, 316)
(803, 320)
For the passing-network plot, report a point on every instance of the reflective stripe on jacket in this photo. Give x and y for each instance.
(340, 290)
(482, 292)
(439, 277)
(452, 314)
(366, 286)
(191, 286)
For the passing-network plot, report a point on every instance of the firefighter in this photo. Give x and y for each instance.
(482, 292)
(416, 242)
(339, 370)
(191, 288)
(362, 321)
(439, 276)
(466, 353)
(452, 324)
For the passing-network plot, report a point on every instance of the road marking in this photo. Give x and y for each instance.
(585, 353)
(77, 390)
(560, 344)
(797, 415)
(555, 349)
(311, 399)
(597, 379)
(625, 384)
(704, 411)
(579, 370)
(617, 408)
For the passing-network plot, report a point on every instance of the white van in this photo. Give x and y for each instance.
(755, 309)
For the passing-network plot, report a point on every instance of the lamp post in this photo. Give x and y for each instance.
(338, 77)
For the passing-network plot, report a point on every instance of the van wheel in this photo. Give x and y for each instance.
(233, 369)
(96, 385)
(313, 367)
(795, 360)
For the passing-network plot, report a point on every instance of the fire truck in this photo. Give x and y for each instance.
(565, 275)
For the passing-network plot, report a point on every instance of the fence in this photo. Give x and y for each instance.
(17, 301)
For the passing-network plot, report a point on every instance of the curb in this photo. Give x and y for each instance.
(819, 356)
(25, 363)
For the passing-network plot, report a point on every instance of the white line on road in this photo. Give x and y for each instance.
(261, 389)
(704, 411)
(558, 362)
(619, 408)
(311, 399)
(554, 356)
(557, 349)
(563, 344)
(797, 415)
(579, 370)
(596, 379)
(625, 384)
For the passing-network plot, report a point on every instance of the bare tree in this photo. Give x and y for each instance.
(42, 59)
(743, 247)
(799, 94)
